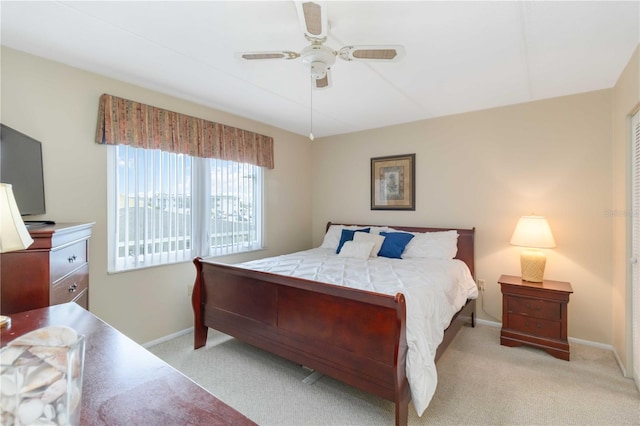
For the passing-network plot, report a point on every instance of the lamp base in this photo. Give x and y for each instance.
(532, 263)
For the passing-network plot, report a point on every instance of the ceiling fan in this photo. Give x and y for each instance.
(319, 57)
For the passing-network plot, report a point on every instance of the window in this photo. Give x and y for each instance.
(168, 207)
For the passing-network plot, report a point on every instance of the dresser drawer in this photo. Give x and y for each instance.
(534, 307)
(68, 259)
(535, 326)
(68, 289)
(83, 299)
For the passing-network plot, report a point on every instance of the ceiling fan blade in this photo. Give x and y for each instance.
(324, 82)
(313, 18)
(389, 53)
(282, 54)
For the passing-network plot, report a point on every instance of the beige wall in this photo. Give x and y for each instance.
(58, 105)
(626, 101)
(485, 169)
(559, 157)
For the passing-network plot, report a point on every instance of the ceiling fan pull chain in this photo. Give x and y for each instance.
(311, 82)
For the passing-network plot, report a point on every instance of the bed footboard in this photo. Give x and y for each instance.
(354, 336)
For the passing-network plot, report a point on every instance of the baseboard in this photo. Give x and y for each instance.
(167, 338)
(592, 344)
(620, 364)
(489, 323)
(571, 339)
(601, 346)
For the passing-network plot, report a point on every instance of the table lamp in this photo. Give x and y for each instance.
(13, 233)
(534, 233)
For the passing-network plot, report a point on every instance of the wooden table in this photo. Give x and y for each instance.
(124, 384)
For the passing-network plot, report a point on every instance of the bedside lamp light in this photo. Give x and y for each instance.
(13, 232)
(534, 233)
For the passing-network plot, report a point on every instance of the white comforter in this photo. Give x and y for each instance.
(434, 291)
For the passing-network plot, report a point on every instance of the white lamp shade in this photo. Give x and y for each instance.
(13, 232)
(534, 232)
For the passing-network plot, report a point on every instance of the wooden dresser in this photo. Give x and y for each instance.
(53, 270)
(535, 314)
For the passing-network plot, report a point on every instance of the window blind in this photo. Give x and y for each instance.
(166, 207)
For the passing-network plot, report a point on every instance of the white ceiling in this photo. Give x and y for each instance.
(460, 56)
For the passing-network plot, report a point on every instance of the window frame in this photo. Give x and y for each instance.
(200, 221)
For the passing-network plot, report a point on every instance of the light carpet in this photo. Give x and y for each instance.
(480, 382)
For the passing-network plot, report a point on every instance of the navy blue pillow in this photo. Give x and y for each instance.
(347, 235)
(394, 244)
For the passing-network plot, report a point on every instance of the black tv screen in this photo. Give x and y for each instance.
(21, 166)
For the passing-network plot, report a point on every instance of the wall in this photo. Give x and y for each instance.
(485, 169)
(481, 169)
(626, 101)
(58, 105)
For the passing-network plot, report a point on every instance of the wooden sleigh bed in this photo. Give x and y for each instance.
(355, 336)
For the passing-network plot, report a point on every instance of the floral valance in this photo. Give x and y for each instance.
(121, 121)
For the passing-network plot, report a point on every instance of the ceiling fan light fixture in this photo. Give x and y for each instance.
(319, 59)
(318, 70)
(318, 53)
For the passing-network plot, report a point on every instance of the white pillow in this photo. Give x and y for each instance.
(332, 237)
(376, 239)
(438, 245)
(360, 250)
(379, 229)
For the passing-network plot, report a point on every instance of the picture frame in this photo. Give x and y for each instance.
(393, 182)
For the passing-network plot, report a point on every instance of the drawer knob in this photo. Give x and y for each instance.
(527, 324)
(72, 288)
(72, 258)
(535, 308)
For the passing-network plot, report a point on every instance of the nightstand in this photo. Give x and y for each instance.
(535, 314)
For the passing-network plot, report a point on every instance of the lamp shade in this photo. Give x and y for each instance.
(534, 232)
(13, 232)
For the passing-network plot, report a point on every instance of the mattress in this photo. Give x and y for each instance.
(434, 290)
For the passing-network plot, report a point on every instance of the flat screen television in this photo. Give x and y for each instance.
(21, 166)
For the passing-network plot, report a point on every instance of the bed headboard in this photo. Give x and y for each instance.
(466, 241)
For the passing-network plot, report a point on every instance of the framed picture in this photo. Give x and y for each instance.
(393, 182)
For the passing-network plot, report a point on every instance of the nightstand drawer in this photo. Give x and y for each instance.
(535, 326)
(534, 307)
(69, 288)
